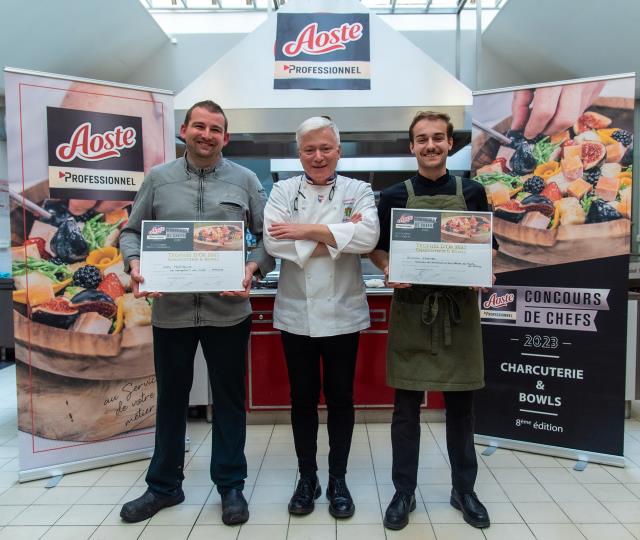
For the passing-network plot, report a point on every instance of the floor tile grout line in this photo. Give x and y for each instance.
(200, 513)
(255, 483)
(375, 479)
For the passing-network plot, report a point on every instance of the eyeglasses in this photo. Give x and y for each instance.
(295, 201)
(300, 194)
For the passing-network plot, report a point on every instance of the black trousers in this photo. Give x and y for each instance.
(225, 350)
(302, 354)
(405, 439)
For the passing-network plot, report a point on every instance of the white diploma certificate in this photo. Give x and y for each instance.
(192, 256)
(441, 247)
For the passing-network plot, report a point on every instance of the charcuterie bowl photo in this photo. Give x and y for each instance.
(82, 339)
(222, 237)
(564, 197)
(471, 229)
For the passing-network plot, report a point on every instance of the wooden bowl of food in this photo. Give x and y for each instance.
(575, 202)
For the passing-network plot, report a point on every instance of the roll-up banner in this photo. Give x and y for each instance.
(77, 153)
(558, 176)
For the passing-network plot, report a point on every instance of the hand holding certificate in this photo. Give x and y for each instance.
(188, 256)
(441, 247)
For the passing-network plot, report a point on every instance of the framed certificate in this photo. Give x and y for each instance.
(192, 256)
(441, 247)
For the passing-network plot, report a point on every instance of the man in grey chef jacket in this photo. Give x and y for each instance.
(200, 186)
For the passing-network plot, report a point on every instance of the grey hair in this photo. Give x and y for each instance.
(314, 123)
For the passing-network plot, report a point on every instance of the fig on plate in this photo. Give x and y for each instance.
(68, 242)
(522, 161)
(538, 203)
(600, 211)
(511, 211)
(93, 300)
(591, 120)
(593, 154)
(56, 312)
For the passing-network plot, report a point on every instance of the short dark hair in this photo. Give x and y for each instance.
(210, 106)
(431, 115)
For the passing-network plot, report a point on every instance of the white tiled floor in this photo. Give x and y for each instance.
(528, 496)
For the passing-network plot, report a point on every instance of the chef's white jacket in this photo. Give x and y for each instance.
(322, 296)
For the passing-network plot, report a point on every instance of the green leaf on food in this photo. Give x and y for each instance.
(55, 272)
(586, 203)
(96, 231)
(543, 150)
(491, 178)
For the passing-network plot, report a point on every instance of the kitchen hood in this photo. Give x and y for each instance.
(404, 80)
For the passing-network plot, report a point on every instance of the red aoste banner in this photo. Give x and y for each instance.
(78, 151)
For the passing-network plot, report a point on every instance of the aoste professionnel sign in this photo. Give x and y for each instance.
(94, 155)
(322, 51)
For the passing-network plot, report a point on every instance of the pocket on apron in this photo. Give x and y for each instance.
(407, 334)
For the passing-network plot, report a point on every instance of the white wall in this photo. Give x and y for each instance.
(497, 72)
(175, 65)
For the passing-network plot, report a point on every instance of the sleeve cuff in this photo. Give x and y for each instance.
(343, 234)
(304, 249)
(127, 263)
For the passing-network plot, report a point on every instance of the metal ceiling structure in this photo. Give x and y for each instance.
(388, 7)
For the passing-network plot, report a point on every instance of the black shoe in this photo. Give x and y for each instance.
(148, 505)
(340, 501)
(397, 515)
(234, 507)
(308, 490)
(473, 511)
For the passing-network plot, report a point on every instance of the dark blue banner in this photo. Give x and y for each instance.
(322, 51)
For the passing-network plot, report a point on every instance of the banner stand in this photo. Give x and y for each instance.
(93, 463)
(555, 322)
(548, 450)
(78, 150)
(84, 465)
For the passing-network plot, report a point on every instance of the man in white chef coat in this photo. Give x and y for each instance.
(318, 224)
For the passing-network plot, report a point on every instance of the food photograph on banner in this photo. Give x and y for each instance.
(84, 370)
(556, 163)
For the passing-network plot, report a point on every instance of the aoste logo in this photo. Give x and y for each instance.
(495, 301)
(405, 218)
(98, 146)
(156, 229)
(310, 41)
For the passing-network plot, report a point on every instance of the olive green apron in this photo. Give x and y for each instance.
(435, 338)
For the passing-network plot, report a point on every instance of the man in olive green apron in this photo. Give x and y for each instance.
(435, 338)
